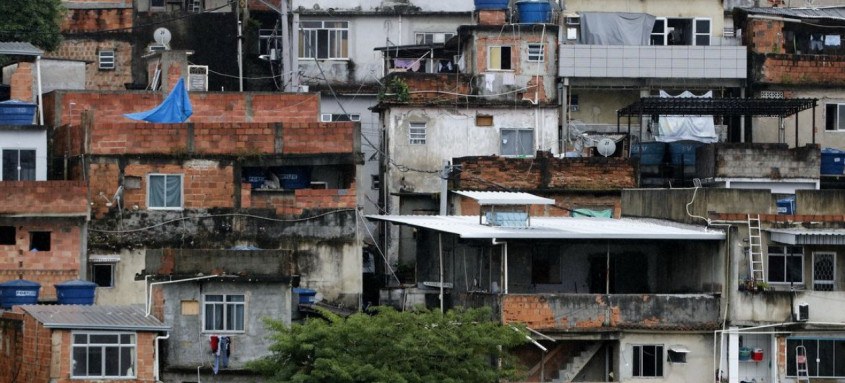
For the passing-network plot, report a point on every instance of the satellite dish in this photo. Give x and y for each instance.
(606, 147)
(162, 36)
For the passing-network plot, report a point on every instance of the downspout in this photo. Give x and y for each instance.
(440, 251)
(504, 264)
(156, 368)
(40, 100)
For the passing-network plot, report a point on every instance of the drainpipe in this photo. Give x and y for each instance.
(504, 264)
(156, 369)
(440, 250)
(40, 100)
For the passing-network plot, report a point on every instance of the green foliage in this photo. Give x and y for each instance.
(396, 89)
(391, 346)
(33, 21)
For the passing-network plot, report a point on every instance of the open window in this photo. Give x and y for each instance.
(39, 241)
(677, 354)
(7, 235)
(499, 58)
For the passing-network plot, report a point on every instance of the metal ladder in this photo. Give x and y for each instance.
(755, 248)
(802, 373)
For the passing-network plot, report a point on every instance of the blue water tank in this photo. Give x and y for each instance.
(76, 292)
(306, 296)
(15, 112)
(649, 153)
(683, 152)
(786, 205)
(18, 292)
(833, 162)
(294, 177)
(534, 11)
(491, 4)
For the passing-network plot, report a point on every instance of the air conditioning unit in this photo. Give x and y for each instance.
(197, 78)
(802, 312)
(573, 20)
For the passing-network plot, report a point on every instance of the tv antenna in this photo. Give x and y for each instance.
(162, 36)
(606, 147)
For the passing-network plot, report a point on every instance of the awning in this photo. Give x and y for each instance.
(485, 198)
(679, 349)
(802, 236)
(770, 107)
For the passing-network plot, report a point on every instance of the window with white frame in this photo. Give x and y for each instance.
(324, 39)
(786, 264)
(647, 361)
(103, 355)
(834, 117)
(106, 59)
(416, 133)
(431, 38)
(701, 31)
(824, 271)
(825, 357)
(499, 58)
(269, 39)
(164, 191)
(223, 312)
(337, 117)
(517, 142)
(102, 274)
(536, 52)
(18, 165)
(681, 31)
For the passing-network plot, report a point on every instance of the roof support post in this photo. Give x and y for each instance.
(796, 130)
(40, 100)
(814, 122)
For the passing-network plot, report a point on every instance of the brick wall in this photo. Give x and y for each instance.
(772, 65)
(764, 36)
(431, 82)
(491, 17)
(545, 172)
(21, 83)
(36, 351)
(11, 346)
(59, 264)
(144, 357)
(88, 50)
(217, 107)
(96, 19)
(43, 197)
(295, 203)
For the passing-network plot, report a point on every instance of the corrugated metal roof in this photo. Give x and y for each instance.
(19, 49)
(558, 228)
(832, 13)
(802, 236)
(505, 198)
(81, 317)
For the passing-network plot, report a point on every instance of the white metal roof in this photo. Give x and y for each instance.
(558, 228)
(84, 317)
(803, 236)
(505, 198)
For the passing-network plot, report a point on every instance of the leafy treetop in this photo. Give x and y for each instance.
(34, 21)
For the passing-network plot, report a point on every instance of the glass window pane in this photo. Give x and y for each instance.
(209, 316)
(27, 164)
(841, 120)
(174, 191)
(239, 318)
(794, 269)
(95, 361)
(311, 24)
(702, 26)
(127, 339)
(825, 358)
(104, 338)
(777, 268)
(791, 344)
(702, 40)
(234, 298)
(649, 361)
(637, 361)
(10, 165)
(839, 358)
(322, 44)
(127, 361)
(112, 361)
(658, 361)
(812, 346)
(214, 298)
(494, 58)
(80, 361)
(80, 338)
(218, 317)
(156, 191)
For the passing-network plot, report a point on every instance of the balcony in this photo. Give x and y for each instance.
(665, 62)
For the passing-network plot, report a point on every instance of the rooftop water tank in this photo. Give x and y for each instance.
(15, 112)
(18, 292)
(491, 4)
(534, 11)
(76, 292)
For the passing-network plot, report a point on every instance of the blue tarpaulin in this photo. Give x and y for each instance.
(174, 109)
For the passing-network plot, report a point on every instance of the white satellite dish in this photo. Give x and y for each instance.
(162, 36)
(606, 147)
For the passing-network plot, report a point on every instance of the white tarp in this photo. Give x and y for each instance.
(695, 128)
(616, 28)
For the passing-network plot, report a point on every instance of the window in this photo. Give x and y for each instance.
(483, 120)
(329, 117)
(648, 361)
(517, 142)
(102, 274)
(324, 39)
(39, 241)
(677, 354)
(7, 235)
(103, 355)
(658, 33)
(375, 181)
(499, 58)
(536, 52)
(156, 3)
(701, 30)
(824, 271)
(18, 165)
(786, 264)
(223, 313)
(834, 117)
(431, 38)
(825, 357)
(416, 133)
(106, 59)
(164, 191)
(679, 31)
(269, 39)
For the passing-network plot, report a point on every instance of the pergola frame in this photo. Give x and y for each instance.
(681, 106)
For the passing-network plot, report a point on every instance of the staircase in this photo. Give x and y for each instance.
(577, 363)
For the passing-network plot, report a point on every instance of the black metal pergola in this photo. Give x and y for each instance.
(679, 106)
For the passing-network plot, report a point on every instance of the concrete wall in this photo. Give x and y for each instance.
(599, 107)
(126, 289)
(699, 366)
(767, 161)
(27, 137)
(766, 129)
(660, 8)
(671, 203)
(188, 346)
(366, 32)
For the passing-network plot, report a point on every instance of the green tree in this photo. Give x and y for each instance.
(33, 21)
(392, 346)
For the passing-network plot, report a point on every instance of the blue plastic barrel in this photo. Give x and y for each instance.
(491, 4)
(649, 153)
(294, 177)
(533, 11)
(683, 152)
(15, 112)
(833, 161)
(76, 292)
(18, 292)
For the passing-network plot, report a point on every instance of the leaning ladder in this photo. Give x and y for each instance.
(802, 373)
(755, 248)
